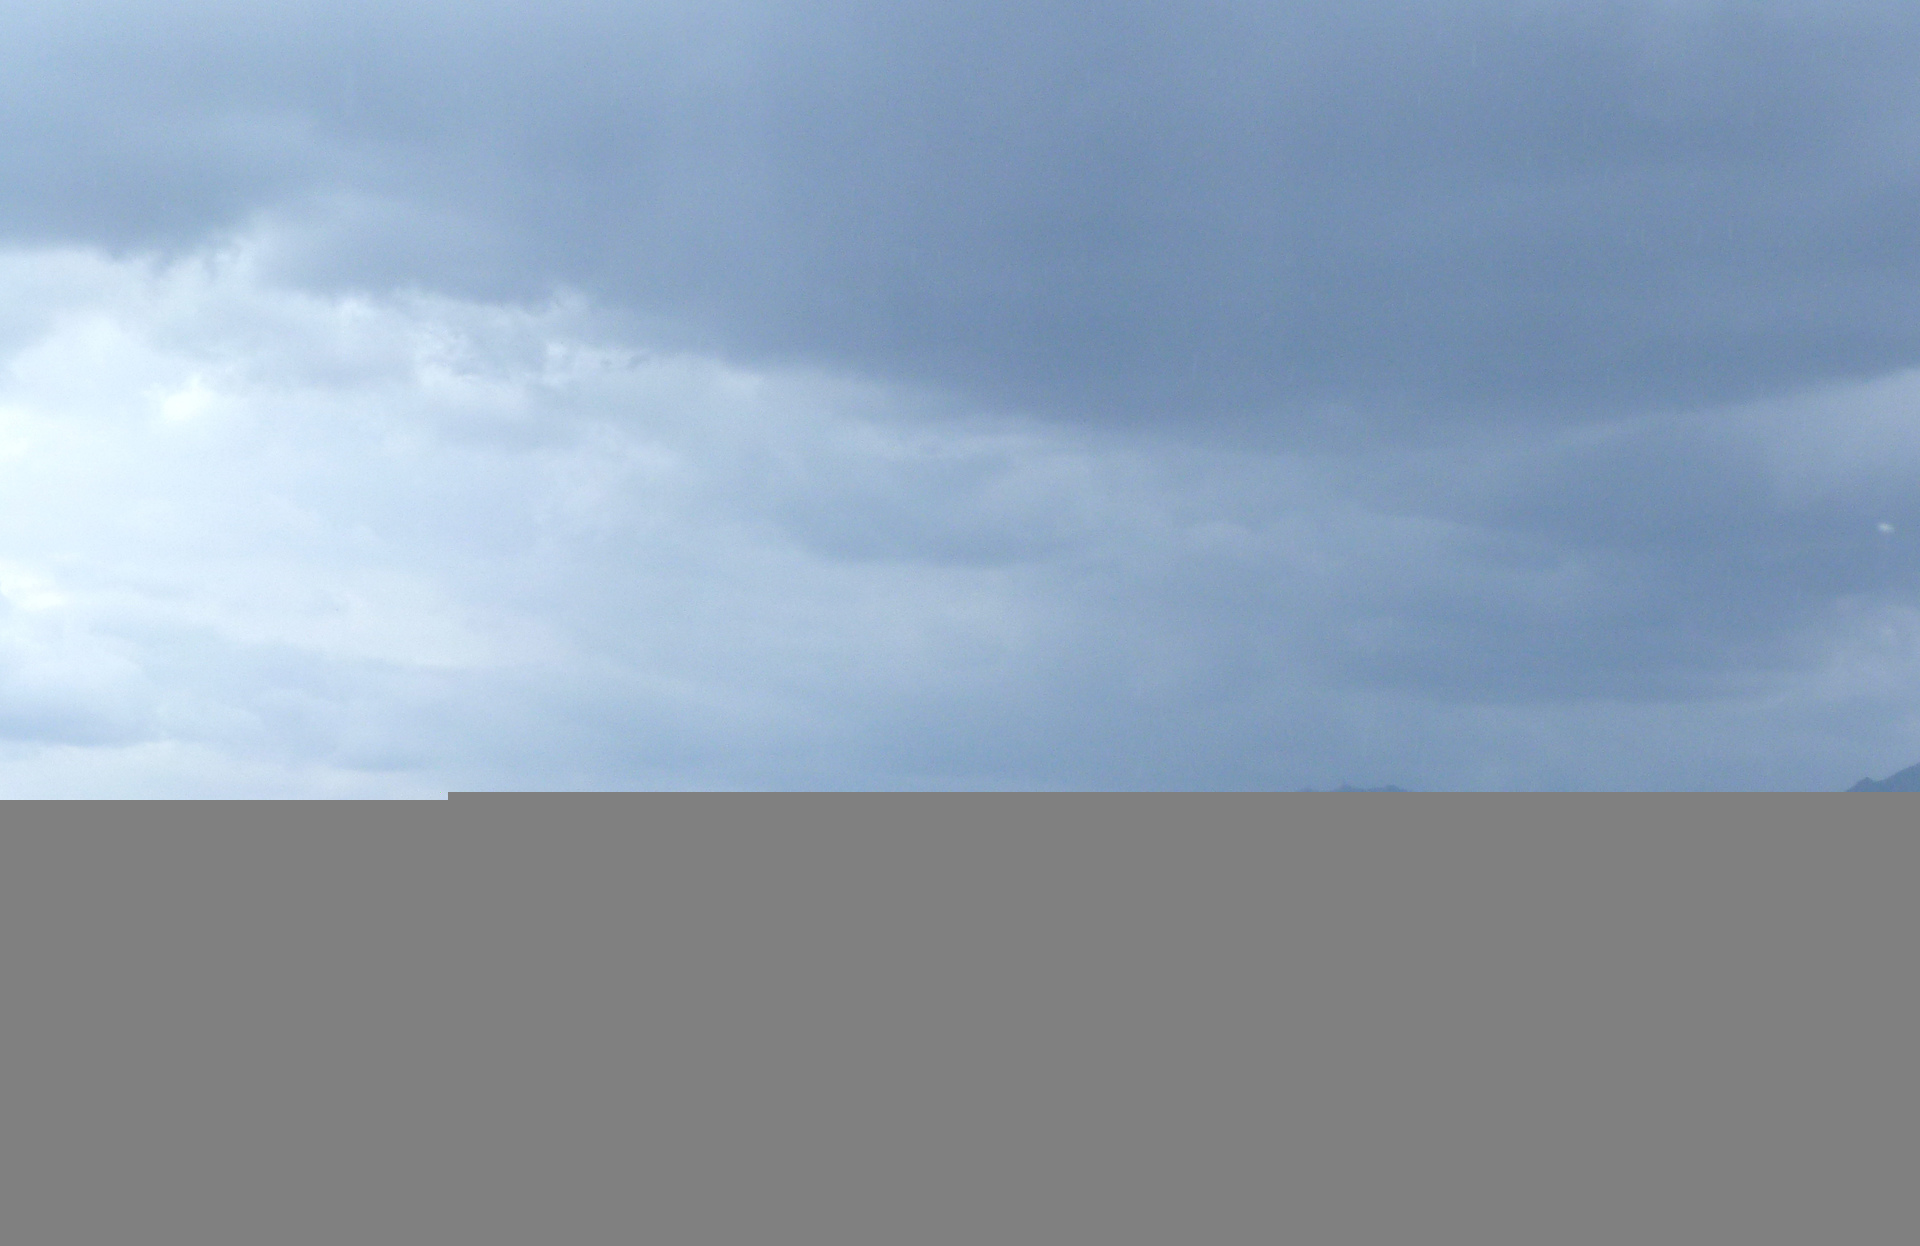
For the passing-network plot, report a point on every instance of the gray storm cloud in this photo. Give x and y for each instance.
(737, 393)
(1138, 210)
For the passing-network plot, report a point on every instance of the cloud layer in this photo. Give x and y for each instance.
(1375, 213)
(875, 395)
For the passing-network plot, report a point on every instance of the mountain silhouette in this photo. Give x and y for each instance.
(1907, 780)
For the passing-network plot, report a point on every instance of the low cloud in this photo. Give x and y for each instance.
(264, 539)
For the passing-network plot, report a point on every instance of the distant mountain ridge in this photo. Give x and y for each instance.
(1907, 780)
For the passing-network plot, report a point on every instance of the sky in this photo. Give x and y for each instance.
(409, 397)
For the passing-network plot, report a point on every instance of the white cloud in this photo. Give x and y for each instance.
(257, 540)
(301, 535)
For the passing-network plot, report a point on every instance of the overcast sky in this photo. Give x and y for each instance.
(409, 397)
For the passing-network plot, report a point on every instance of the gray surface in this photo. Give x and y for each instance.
(1369, 1019)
